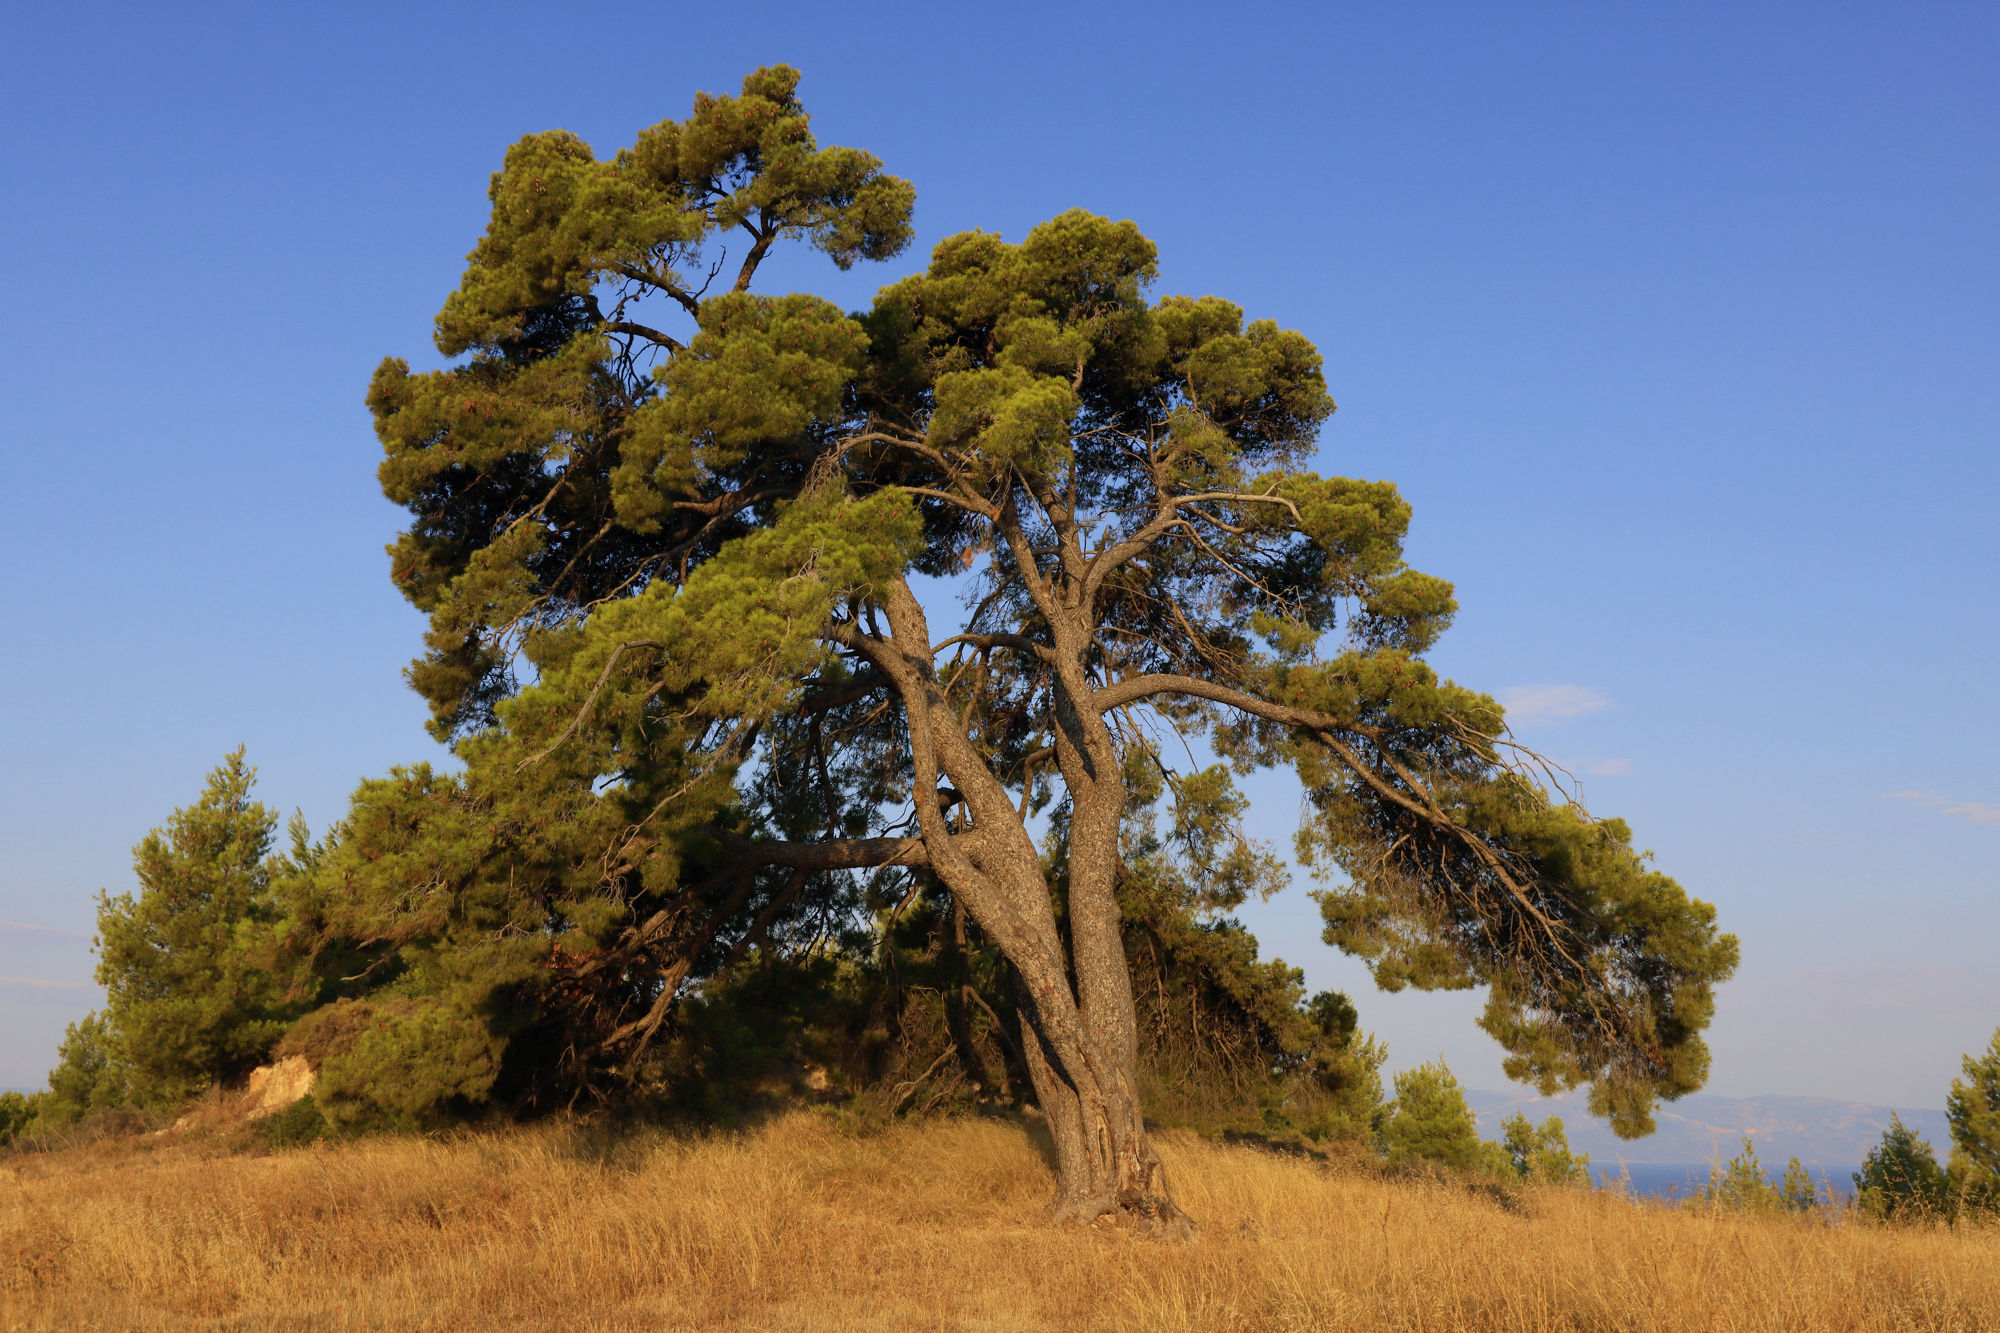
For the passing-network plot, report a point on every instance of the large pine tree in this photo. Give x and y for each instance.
(670, 532)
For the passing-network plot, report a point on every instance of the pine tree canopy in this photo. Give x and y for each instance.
(670, 533)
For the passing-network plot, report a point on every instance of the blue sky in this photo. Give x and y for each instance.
(1679, 326)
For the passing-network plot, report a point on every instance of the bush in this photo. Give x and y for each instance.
(192, 999)
(1797, 1191)
(16, 1111)
(418, 1062)
(295, 1126)
(89, 1076)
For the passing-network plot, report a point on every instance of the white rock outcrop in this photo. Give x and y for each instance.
(274, 1087)
(269, 1090)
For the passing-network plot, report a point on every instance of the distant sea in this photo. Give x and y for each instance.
(1700, 1130)
(1668, 1181)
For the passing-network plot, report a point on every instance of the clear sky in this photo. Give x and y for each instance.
(1678, 324)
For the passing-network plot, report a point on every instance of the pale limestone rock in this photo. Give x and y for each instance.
(274, 1087)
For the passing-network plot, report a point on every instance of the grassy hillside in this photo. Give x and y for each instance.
(799, 1226)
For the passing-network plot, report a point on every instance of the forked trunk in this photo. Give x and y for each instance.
(1076, 1035)
(1105, 1163)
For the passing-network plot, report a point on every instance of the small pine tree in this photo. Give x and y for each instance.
(1542, 1153)
(89, 1075)
(1740, 1184)
(1797, 1192)
(1972, 1109)
(1430, 1122)
(1900, 1180)
(192, 998)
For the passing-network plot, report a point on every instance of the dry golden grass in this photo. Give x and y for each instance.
(920, 1227)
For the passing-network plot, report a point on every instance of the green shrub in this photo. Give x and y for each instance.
(192, 999)
(418, 1062)
(1797, 1191)
(295, 1126)
(89, 1075)
(1741, 1184)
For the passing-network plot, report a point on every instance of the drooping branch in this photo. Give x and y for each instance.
(1327, 729)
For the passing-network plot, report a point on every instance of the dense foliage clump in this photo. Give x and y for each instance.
(912, 1013)
(192, 995)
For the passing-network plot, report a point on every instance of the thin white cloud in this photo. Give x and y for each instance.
(1979, 812)
(30, 928)
(1610, 768)
(1529, 704)
(45, 983)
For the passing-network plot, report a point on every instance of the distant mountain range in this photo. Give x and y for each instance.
(1819, 1131)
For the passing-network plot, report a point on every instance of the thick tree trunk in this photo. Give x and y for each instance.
(1088, 762)
(1085, 1077)
(1119, 1172)
(1105, 1163)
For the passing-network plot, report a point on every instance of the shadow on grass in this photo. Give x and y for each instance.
(623, 1140)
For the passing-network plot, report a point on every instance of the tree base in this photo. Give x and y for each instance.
(1156, 1217)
